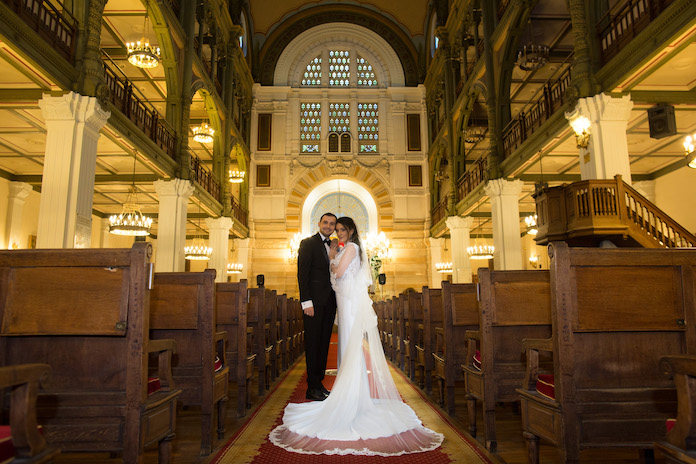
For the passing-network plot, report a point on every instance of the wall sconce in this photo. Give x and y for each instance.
(534, 262)
(581, 127)
(690, 151)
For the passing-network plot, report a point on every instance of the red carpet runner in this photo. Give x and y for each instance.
(250, 444)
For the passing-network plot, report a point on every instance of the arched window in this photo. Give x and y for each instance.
(312, 74)
(342, 204)
(243, 36)
(434, 39)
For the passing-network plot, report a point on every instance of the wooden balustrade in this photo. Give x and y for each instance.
(591, 210)
(528, 122)
(205, 177)
(144, 118)
(473, 177)
(239, 213)
(57, 27)
(439, 211)
(618, 28)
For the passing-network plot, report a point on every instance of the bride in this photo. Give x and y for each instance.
(364, 413)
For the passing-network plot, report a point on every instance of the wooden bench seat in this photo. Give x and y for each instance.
(615, 313)
(29, 445)
(182, 308)
(432, 322)
(231, 307)
(261, 317)
(514, 305)
(86, 314)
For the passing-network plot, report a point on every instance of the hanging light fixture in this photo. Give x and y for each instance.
(690, 151)
(531, 222)
(203, 133)
(236, 177)
(295, 247)
(444, 268)
(198, 250)
(474, 134)
(532, 56)
(234, 268)
(131, 221)
(534, 262)
(141, 53)
(480, 250)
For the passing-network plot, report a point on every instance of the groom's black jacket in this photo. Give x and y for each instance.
(313, 272)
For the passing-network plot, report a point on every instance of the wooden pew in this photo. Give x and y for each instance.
(281, 333)
(404, 335)
(182, 308)
(396, 337)
(263, 346)
(432, 320)
(29, 444)
(514, 305)
(615, 312)
(89, 319)
(680, 446)
(414, 314)
(389, 328)
(460, 313)
(231, 308)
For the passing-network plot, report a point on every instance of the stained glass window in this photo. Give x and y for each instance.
(368, 127)
(366, 75)
(312, 75)
(310, 127)
(339, 117)
(341, 204)
(339, 68)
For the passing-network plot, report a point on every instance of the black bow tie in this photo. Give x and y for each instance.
(327, 241)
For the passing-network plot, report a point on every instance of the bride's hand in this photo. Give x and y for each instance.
(333, 249)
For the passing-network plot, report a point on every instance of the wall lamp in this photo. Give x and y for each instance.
(581, 127)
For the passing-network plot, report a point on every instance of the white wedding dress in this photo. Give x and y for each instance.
(364, 414)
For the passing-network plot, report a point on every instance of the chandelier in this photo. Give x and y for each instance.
(295, 247)
(474, 134)
(234, 268)
(531, 222)
(237, 177)
(480, 250)
(131, 221)
(377, 245)
(141, 53)
(203, 133)
(198, 250)
(534, 261)
(532, 56)
(444, 268)
(690, 151)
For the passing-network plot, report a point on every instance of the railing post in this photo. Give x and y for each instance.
(620, 199)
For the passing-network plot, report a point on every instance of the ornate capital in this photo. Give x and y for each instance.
(175, 187)
(74, 107)
(458, 222)
(499, 187)
(222, 223)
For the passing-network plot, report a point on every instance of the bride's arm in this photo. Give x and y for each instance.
(345, 260)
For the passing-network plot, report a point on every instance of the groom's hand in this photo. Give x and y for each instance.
(309, 311)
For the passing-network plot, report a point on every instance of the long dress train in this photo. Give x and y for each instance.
(364, 414)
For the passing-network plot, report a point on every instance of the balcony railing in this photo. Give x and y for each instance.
(591, 210)
(205, 177)
(57, 28)
(439, 212)
(617, 28)
(473, 177)
(146, 119)
(239, 213)
(528, 122)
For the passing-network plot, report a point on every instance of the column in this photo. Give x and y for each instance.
(73, 122)
(19, 191)
(460, 227)
(218, 240)
(505, 212)
(171, 224)
(242, 247)
(607, 152)
(436, 245)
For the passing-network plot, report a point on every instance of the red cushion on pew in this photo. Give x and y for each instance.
(545, 386)
(153, 385)
(7, 449)
(218, 364)
(477, 360)
(670, 423)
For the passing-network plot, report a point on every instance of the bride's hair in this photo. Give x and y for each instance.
(349, 224)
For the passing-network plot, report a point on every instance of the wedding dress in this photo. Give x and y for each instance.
(364, 414)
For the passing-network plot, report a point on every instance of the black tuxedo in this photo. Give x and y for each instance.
(315, 285)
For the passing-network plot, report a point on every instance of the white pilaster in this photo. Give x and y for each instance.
(242, 247)
(73, 122)
(436, 245)
(219, 241)
(460, 228)
(19, 191)
(607, 152)
(171, 224)
(104, 234)
(505, 212)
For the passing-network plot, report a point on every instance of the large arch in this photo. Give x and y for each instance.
(345, 186)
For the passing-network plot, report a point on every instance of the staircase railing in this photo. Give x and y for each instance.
(607, 207)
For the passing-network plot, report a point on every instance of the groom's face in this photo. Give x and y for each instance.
(327, 225)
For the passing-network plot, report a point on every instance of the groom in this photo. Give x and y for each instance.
(318, 303)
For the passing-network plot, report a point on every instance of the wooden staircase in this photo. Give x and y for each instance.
(588, 212)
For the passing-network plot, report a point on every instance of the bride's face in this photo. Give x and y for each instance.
(342, 233)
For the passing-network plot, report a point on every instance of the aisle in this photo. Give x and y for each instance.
(250, 444)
